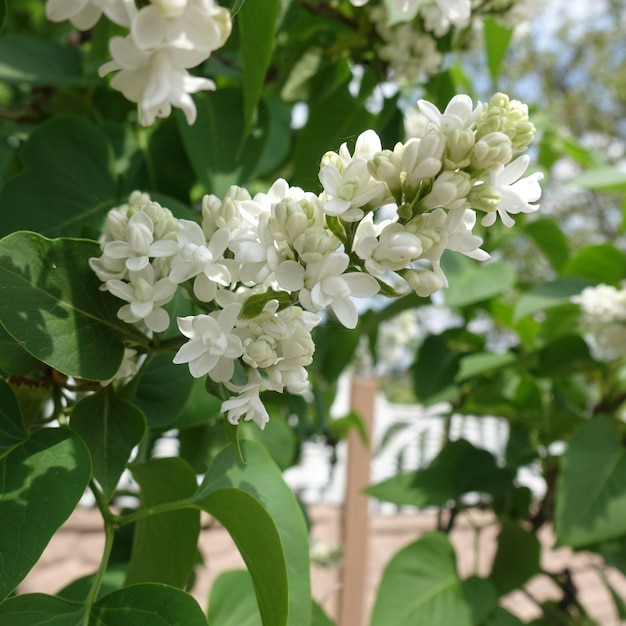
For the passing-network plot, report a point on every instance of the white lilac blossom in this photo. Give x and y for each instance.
(260, 268)
(165, 39)
(212, 346)
(604, 319)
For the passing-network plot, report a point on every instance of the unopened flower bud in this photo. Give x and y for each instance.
(491, 151)
(421, 158)
(386, 167)
(449, 190)
(484, 197)
(423, 282)
(458, 149)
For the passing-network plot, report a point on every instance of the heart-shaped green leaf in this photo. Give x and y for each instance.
(42, 481)
(52, 305)
(111, 427)
(420, 585)
(12, 429)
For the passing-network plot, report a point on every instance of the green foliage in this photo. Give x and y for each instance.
(53, 306)
(420, 586)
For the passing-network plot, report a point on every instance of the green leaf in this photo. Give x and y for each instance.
(602, 263)
(551, 239)
(219, 153)
(164, 547)
(254, 494)
(257, 25)
(12, 431)
(472, 282)
(458, 469)
(163, 391)
(568, 354)
(331, 121)
(78, 589)
(38, 608)
(3, 14)
(42, 481)
(52, 305)
(236, 7)
(591, 498)
(38, 62)
(497, 39)
(232, 601)
(14, 360)
(548, 295)
(149, 604)
(480, 595)
(502, 617)
(435, 370)
(66, 184)
(483, 362)
(420, 585)
(277, 436)
(200, 408)
(110, 427)
(517, 558)
(254, 305)
(602, 179)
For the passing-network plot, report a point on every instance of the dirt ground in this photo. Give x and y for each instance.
(76, 549)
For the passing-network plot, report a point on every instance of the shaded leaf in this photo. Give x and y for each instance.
(480, 595)
(482, 363)
(517, 558)
(590, 498)
(12, 431)
(66, 184)
(420, 585)
(602, 179)
(78, 590)
(53, 307)
(163, 390)
(110, 427)
(42, 481)
(38, 608)
(435, 370)
(458, 469)
(148, 605)
(164, 547)
(38, 62)
(232, 601)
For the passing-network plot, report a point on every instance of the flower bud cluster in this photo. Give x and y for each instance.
(260, 269)
(165, 39)
(604, 318)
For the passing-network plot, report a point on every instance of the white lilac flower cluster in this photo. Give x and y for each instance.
(604, 319)
(261, 269)
(166, 38)
(410, 45)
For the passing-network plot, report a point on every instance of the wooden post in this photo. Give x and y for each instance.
(355, 515)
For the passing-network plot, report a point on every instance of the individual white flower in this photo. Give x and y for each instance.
(199, 27)
(84, 14)
(259, 257)
(247, 403)
(140, 244)
(326, 285)
(154, 80)
(421, 158)
(212, 346)
(517, 193)
(393, 249)
(202, 260)
(145, 296)
(459, 114)
(348, 192)
(449, 190)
